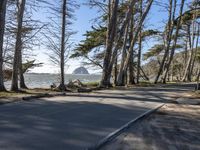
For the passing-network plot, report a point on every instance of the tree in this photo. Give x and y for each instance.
(92, 48)
(191, 37)
(29, 36)
(124, 65)
(58, 36)
(62, 51)
(2, 28)
(175, 42)
(18, 44)
(131, 77)
(119, 37)
(140, 46)
(111, 32)
(167, 36)
(25, 68)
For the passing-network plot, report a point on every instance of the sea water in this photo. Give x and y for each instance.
(35, 80)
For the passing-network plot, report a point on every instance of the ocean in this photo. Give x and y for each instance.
(34, 80)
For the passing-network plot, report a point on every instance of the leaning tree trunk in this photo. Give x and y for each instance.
(186, 76)
(196, 49)
(122, 77)
(2, 28)
(175, 42)
(122, 31)
(111, 32)
(119, 38)
(62, 51)
(134, 39)
(168, 34)
(190, 70)
(18, 44)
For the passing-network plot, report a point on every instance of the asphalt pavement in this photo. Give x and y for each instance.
(76, 122)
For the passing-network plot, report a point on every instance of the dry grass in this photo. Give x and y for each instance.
(27, 92)
(92, 84)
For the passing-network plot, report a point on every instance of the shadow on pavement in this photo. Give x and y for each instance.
(51, 125)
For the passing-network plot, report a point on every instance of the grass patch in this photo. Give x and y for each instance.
(92, 84)
(25, 92)
(12, 94)
(146, 83)
(39, 90)
(172, 82)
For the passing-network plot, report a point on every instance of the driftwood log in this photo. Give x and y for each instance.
(78, 85)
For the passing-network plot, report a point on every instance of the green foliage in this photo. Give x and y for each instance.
(25, 67)
(29, 65)
(154, 51)
(94, 39)
(150, 32)
(188, 16)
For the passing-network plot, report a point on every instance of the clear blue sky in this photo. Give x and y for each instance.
(84, 15)
(81, 24)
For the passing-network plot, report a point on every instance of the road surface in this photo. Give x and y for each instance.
(78, 121)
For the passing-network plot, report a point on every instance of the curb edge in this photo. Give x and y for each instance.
(117, 132)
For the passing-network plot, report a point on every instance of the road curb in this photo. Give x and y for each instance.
(117, 132)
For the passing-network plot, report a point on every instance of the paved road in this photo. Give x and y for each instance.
(76, 122)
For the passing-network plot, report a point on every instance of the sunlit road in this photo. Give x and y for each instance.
(76, 122)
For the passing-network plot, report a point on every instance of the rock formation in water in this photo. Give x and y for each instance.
(80, 70)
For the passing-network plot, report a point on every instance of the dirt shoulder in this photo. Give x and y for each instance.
(8, 97)
(173, 127)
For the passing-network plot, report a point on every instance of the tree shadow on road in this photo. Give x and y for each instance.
(43, 124)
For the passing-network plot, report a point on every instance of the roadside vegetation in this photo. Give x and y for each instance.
(121, 42)
(130, 49)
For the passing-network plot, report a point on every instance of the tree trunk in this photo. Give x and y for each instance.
(2, 28)
(190, 70)
(119, 37)
(196, 50)
(131, 70)
(62, 51)
(186, 52)
(22, 82)
(140, 47)
(21, 73)
(167, 42)
(198, 84)
(186, 76)
(18, 45)
(134, 39)
(145, 76)
(120, 79)
(175, 42)
(131, 64)
(115, 72)
(111, 32)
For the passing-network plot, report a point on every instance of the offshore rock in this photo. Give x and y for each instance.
(80, 70)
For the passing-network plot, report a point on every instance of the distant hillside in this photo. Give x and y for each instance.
(80, 70)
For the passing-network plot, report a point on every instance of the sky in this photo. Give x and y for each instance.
(83, 22)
